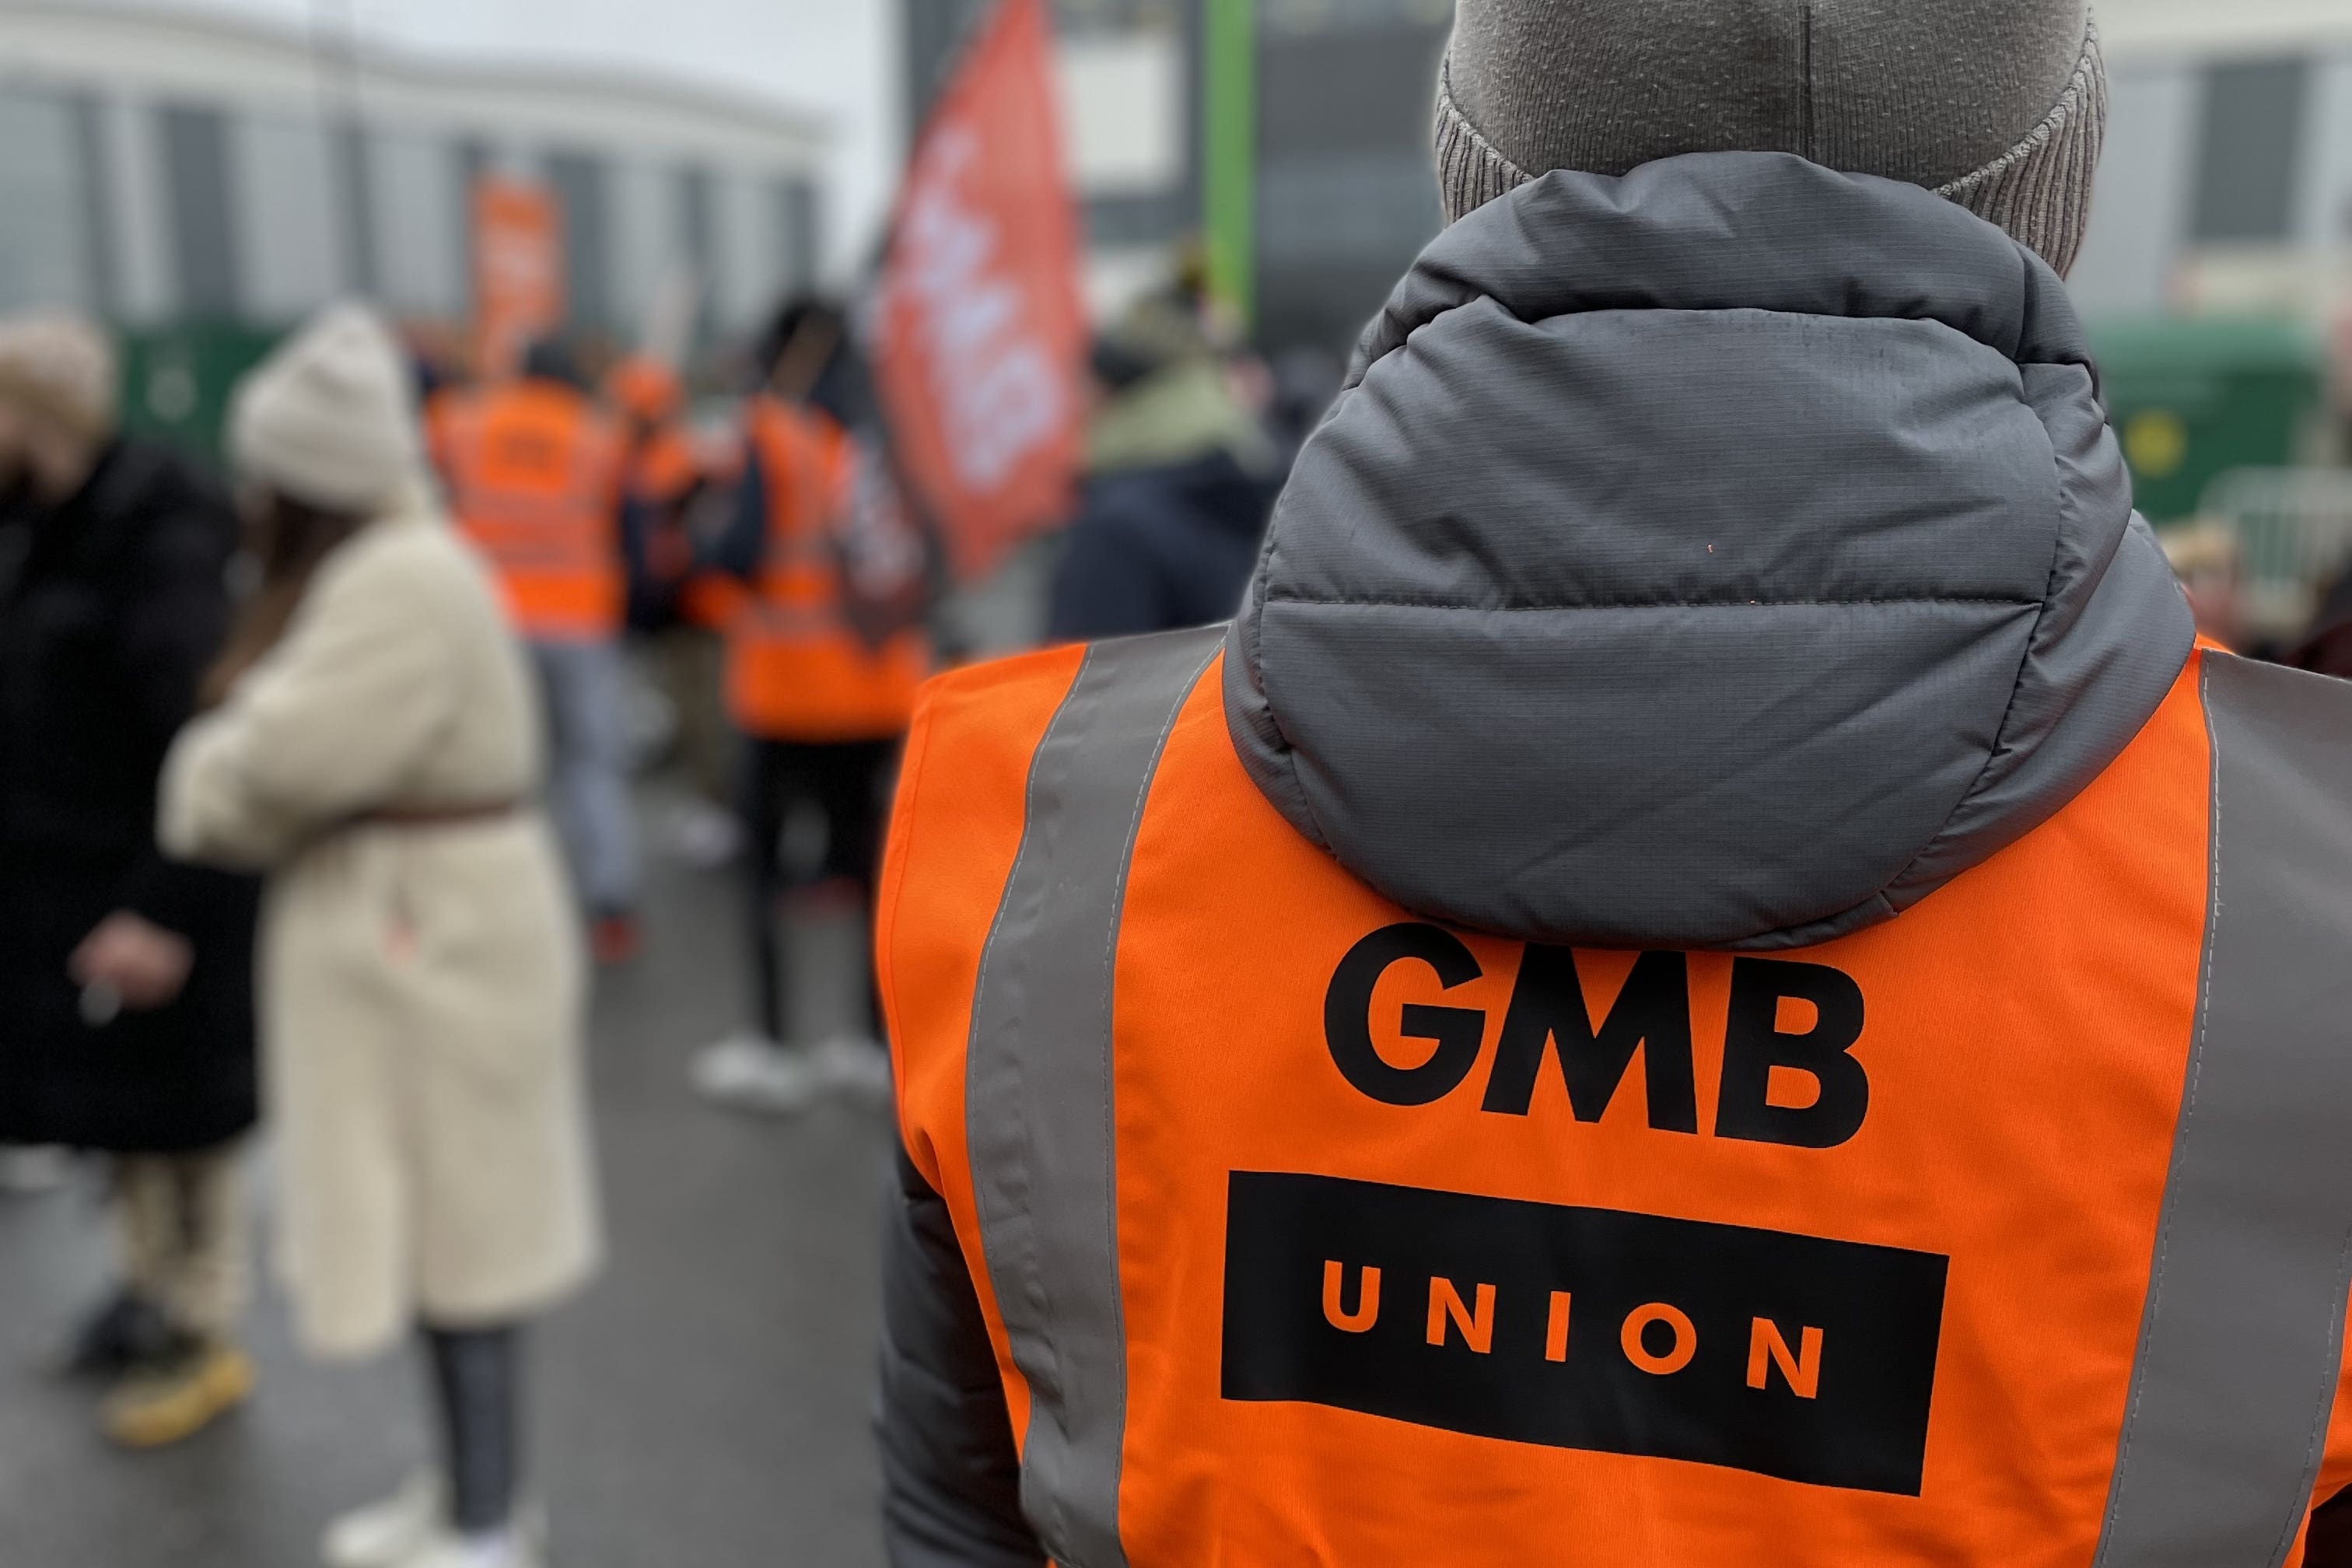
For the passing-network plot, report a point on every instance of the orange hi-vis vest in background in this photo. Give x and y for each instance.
(2011, 1231)
(796, 671)
(534, 474)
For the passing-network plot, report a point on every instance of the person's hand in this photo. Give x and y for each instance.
(136, 959)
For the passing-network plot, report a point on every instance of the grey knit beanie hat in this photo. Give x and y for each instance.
(2000, 105)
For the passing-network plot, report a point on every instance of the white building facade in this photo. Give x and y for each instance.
(2227, 184)
(160, 167)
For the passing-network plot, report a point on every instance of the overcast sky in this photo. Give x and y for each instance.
(837, 58)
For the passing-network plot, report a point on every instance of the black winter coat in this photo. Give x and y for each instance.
(1160, 550)
(111, 607)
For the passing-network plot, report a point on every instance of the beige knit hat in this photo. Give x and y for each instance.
(2000, 105)
(62, 364)
(329, 419)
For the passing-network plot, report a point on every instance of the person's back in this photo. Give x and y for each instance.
(1705, 975)
(86, 786)
(534, 471)
(534, 474)
(1159, 550)
(797, 668)
(661, 476)
(126, 995)
(111, 606)
(374, 749)
(476, 729)
(1180, 478)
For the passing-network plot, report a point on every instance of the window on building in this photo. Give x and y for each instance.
(95, 180)
(933, 30)
(289, 235)
(472, 156)
(2249, 155)
(204, 233)
(44, 217)
(1345, 195)
(798, 220)
(356, 200)
(579, 180)
(698, 236)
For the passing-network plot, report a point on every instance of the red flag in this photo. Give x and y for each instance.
(981, 333)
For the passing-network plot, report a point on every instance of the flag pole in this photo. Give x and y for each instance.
(1229, 152)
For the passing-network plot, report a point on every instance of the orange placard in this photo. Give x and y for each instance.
(518, 269)
(980, 330)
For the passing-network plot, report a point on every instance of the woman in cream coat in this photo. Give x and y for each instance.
(375, 749)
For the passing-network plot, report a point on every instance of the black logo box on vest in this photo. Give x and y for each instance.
(1788, 1355)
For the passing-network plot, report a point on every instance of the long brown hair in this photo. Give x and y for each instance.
(288, 540)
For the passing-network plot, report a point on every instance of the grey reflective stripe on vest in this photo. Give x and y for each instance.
(2242, 1334)
(1037, 1081)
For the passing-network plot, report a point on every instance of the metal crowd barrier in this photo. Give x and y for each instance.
(2293, 528)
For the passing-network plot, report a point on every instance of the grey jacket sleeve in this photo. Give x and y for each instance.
(950, 1477)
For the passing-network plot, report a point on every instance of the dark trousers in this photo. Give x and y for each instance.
(478, 1387)
(846, 781)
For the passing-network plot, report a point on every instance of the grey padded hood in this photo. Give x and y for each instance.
(1726, 555)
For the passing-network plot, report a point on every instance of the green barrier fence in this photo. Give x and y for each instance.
(2191, 399)
(177, 380)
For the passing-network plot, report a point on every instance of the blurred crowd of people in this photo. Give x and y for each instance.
(361, 716)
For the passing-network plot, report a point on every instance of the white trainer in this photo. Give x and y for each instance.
(29, 1171)
(386, 1534)
(704, 835)
(750, 1073)
(856, 1069)
(511, 1548)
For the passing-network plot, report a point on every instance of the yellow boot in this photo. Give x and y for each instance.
(165, 1405)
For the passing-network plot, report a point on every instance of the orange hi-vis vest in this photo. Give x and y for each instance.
(2011, 1231)
(534, 473)
(796, 671)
